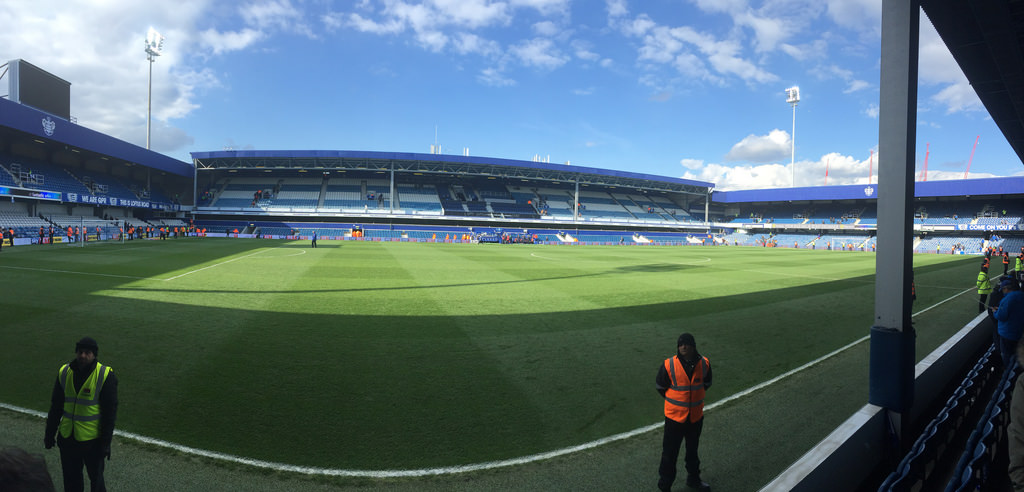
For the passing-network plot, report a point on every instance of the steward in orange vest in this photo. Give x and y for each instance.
(682, 381)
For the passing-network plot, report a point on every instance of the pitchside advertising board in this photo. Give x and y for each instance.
(22, 192)
(990, 227)
(87, 199)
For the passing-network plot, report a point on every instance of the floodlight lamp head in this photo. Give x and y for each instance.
(793, 95)
(154, 42)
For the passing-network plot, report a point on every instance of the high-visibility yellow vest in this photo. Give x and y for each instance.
(684, 399)
(984, 286)
(82, 409)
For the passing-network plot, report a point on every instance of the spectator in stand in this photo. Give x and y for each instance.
(1009, 318)
(1015, 429)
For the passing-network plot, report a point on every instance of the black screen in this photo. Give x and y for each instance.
(43, 90)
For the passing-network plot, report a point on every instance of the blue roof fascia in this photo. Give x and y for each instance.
(486, 161)
(44, 125)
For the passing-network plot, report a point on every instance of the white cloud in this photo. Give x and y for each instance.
(362, 24)
(872, 111)
(958, 97)
(841, 169)
(814, 50)
(937, 67)
(768, 32)
(761, 148)
(660, 46)
(276, 15)
(584, 92)
(98, 47)
(470, 13)
(471, 43)
(584, 50)
(742, 177)
(456, 25)
(771, 24)
(546, 28)
(540, 53)
(617, 8)
(544, 7)
(721, 58)
(857, 15)
(692, 163)
(494, 77)
(856, 85)
(432, 40)
(638, 27)
(223, 42)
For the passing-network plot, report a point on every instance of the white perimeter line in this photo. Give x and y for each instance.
(448, 470)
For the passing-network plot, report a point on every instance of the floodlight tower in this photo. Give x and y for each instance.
(793, 98)
(154, 46)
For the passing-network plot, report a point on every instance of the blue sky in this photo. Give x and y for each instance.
(679, 88)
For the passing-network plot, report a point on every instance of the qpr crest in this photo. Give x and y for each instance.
(868, 191)
(48, 126)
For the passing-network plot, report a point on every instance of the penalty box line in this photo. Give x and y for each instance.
(450, 470)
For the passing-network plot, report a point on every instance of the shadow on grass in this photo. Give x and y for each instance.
(410, 391)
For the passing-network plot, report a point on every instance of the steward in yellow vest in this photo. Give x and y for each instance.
(682, 381)
(984, 287)
(83, 409)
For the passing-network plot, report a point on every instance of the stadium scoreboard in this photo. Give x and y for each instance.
(35, 87)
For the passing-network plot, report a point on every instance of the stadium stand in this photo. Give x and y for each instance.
(926, 465)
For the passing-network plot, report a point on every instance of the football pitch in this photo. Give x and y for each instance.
(408, 356)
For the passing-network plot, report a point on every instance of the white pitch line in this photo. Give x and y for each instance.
(209, 266)
(449, 470)
(144, 278)
(300, 253)
(74, 273)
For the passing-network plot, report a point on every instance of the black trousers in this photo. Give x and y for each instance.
(75, 454)
(675, 434)
(981, 303)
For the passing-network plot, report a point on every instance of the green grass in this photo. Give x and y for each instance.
(364, 355)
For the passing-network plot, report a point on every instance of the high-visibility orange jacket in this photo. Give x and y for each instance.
(684, 399)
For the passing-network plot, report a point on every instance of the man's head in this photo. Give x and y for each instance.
(86, 350)
(687, 346)
(1008, 285)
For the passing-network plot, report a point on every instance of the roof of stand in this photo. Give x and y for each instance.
(986, 39)
(440, 164)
